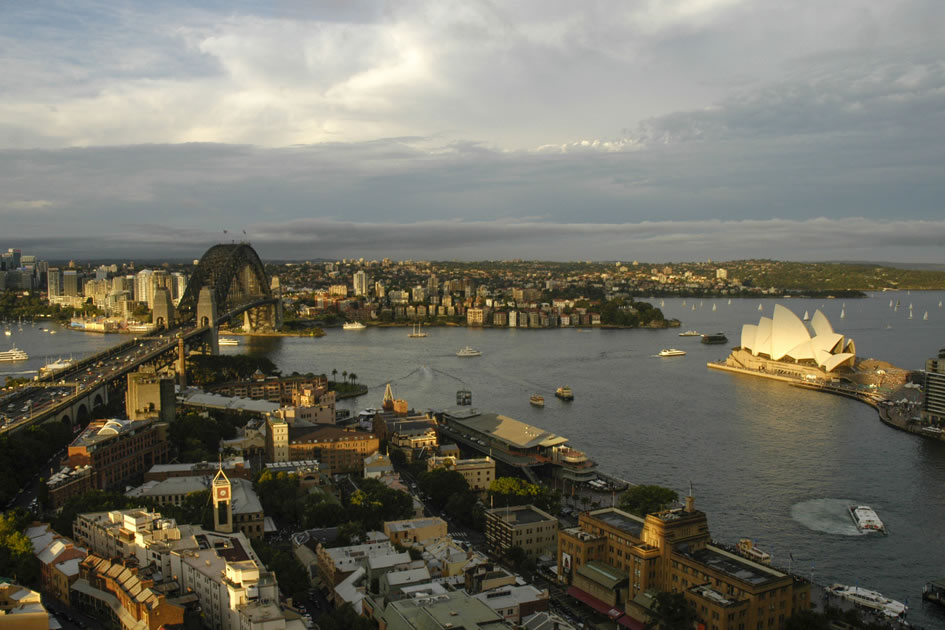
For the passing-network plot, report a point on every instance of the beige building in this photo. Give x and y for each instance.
(478, 472)
(415, 530)
(525, 526)
(150, 396)
(21, 608)
(615, 557)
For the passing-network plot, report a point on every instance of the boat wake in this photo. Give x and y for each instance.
(826, 515)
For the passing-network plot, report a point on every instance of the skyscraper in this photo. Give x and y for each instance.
(360, 283)
(54, 282)
(71, 283)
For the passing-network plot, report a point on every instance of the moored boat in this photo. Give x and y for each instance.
(868, 599)
(13, 354)
(747, 549)
(417, 332)
(228, 341)
(671, 352)
(468, 351)
(56, 366)
(537, 400)
(690, 333)
(564, 393)
(353, 326)
(865, 519)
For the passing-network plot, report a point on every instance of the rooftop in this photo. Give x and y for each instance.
(735, 566)
(508, 430)
(621, 520)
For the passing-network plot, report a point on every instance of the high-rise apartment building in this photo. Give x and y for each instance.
(143, 286)
(933, 399)
(54, 282)
(360, 283)
(71, 283)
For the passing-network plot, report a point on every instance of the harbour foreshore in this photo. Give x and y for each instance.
(896, 415)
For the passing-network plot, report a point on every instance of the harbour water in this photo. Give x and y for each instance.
(767, 461)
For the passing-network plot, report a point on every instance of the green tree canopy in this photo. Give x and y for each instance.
(642, 500)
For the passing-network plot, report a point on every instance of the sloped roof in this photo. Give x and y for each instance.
(785, 336)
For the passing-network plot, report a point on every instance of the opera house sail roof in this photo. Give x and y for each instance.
(784, 337)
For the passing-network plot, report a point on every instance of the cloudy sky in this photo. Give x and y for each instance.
(635, 129)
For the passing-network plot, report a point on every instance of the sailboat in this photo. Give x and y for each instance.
(730, 302)
(806, 316)
(713, 308)
(684, 302)
(925, 317)
(663, 303)
(417, 332)
(843, 312)
(693, 307)
(760, 308)
(890, 303)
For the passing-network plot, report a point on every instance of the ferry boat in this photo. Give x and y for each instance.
(468, 351)
(564, 393)
(228, 341)
(866, 519)
(353, 326)
(716, 338)
(671, 352)
(746, 548)
(537, 400)
(417, 332)
(13, 354)
(868, 599)
(690, 333)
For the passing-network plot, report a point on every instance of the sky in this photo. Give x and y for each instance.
(673, 130)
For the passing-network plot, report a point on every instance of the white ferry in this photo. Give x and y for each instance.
(672, 352)
(13, 354)
(869, 599)
(354, 326)
(747, 549)
(690, 333)
(866, 519)
(228, 341)
(468, 351)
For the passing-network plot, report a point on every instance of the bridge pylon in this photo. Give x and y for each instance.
(207, 316)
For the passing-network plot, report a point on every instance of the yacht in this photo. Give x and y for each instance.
(690, 333)
(7, 332)
(672, 352)
(866, 519)
(537, 400)
(564, 393)
(353, 326)
(56, 366)
(417, 331)
(13, 354)
(228, 341)
(807, 315)
(868, 599)
(746, 548)
(469, 351)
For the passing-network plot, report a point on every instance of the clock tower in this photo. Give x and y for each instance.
(222, 503)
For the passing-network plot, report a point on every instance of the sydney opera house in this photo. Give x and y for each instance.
(783, 346)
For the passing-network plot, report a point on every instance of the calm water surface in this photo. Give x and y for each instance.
(766, 461)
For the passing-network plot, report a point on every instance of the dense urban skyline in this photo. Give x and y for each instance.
(663, 131)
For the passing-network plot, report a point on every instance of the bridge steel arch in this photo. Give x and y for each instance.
(235, 275)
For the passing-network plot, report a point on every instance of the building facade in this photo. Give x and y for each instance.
(525, 526)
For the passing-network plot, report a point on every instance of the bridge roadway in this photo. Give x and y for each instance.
(87, 382)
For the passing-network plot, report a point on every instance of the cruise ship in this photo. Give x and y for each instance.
(354, 326)
(13, 354)
(56, 366)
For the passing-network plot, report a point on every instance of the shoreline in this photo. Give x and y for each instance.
(890, 413)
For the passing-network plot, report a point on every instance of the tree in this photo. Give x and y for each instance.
(673, 612)
(647, 499)
(16, 550)
(352, 377)
(344, 618)
(344, 376)
(334, 374)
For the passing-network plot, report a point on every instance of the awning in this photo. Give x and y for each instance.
(605, 608)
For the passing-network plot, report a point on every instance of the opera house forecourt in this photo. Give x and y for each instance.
(783, 348)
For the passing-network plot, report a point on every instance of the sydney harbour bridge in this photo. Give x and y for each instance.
(229, 281)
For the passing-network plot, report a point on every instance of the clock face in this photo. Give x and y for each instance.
(223, 493)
